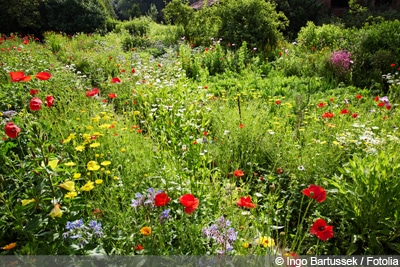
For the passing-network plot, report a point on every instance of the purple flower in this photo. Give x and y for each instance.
(385, 100)
(221, 234)
(341, 61)
(145, 200)
(164, 215)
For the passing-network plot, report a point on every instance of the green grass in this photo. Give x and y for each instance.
(181, 134)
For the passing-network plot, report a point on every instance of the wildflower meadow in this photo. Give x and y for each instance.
(176, 149)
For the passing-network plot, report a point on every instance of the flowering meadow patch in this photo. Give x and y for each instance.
(161, 161)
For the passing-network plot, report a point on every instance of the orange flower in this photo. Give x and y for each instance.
(238, 173)
(146, 231)
(9, 246)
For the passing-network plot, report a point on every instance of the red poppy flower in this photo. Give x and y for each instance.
(241, 125)
(376, 99)
(246, 202)
(345, 111)
(354, 115)
(280, 171)
(115, 80)
(321, 105)
(278, 102)
(33, 91)
(190, 202)
(392, 65)
(358, 96)
(238, 173)
(12, 130)
(49, 101)
(19, 76)
(133, 70)
(93, 92)
(205, 133)
(112, 95)
(43, 76)
(381, 104)
(316, 192)
(139, 247)
(35, 104)
(328, 115)
(161, 199)
(388, 107)
(321, 230)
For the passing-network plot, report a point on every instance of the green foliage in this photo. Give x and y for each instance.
(20, 16)
(328, 35)
(369, 200)
(138, 26)
(298, 13)
(73, 16)
(179, 12)
(376, 51)
(203, 26)
(130, 42)
(186, 119)
(255, 22)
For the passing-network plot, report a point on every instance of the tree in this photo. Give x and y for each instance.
(20, 16)
(255, 22)
(298, 13)
(180, 13)
(72, 16)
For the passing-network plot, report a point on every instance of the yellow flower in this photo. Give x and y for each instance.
(96, 119)
(105, 126)
(136, 112)
(97, 144)
(68, 185)
(89, 127)
(9, 246)
(105, 163)
(266, 241)
(56, 211)
(88, 186)
(86, 136)
(115, 178)
(123, 150)
(99, 181)
(93, 165)
(108, 172)
(71, 194)
(70, 164)
(80, 148)
(146, 231)
(77, 175)
(53, 164)
(246, 245)
(27, 201)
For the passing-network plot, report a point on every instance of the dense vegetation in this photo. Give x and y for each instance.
(147, 138)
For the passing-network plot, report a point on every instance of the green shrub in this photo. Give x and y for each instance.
(130, 42)
(253, 21)
(377, 50)
(138, 26)
(319, 37)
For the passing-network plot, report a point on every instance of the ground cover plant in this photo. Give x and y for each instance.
(181, 150)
